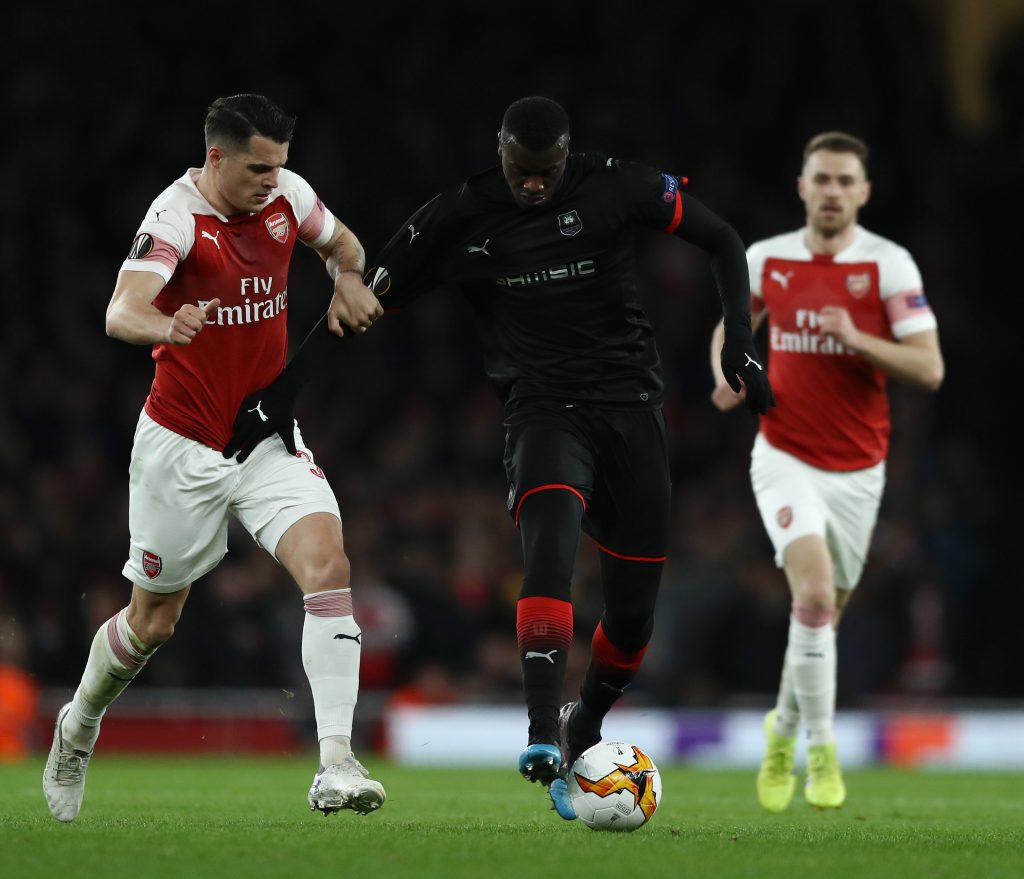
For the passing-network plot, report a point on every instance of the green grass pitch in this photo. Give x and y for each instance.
(181, 817)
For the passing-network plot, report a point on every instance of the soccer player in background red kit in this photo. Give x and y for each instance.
(846, 311)
(206, 284)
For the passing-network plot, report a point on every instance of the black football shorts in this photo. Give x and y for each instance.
(615, 460)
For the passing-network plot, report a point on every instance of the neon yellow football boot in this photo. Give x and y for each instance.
(776, 781)
(825, 788)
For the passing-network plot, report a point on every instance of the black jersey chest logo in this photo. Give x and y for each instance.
(570, 224)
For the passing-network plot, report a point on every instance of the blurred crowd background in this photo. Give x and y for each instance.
(396, 104)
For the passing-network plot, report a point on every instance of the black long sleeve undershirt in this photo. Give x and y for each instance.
(707, 230)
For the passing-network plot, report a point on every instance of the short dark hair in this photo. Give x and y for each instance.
(535, 123)
(230, 122)
(838, 142)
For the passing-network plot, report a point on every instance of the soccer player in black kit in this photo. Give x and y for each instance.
(543, 249)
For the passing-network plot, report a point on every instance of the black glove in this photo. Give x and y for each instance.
(740, 360)
(269, 410)
(262, 414)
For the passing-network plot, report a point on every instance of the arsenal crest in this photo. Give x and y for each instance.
(570, 224)
(784, 517)
(152, 564)
(278, 227)
(858, 285)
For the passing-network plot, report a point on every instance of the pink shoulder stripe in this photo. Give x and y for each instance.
(906, 304)
(311, 227)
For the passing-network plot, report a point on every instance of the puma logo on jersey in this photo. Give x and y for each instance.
(259, 411)
(213, 238)
(750, 360)
(158, 213)
(350, 638)
(481, 249)
(533, 654)
(783, 279)
(412, 233)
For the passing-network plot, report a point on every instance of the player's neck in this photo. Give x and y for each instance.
(208, 190)
(829, 245)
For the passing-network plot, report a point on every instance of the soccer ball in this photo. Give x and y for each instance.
(614, 786)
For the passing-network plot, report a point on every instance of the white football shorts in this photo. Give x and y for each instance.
(796, 499)
(181, 492)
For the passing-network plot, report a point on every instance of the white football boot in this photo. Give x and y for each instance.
(346, 785)
(64, 775)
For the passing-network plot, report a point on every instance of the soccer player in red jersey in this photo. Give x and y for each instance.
(846, 312)
(206, 284)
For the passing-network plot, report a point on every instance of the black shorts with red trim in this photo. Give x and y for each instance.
(614, 460)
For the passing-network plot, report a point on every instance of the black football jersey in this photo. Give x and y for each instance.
(553, 287)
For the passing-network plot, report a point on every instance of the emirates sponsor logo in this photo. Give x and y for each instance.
(278, 227)
(248, 312)
(784, 517)
(858, 285)
(152, 564)
(804, 342)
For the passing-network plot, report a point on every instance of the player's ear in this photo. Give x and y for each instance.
(215, 155)
(866, 194)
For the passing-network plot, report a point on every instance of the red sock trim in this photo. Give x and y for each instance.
(568, 488)
(606, 654)
(124, 653)
(544, 622)
(814, 617)
(333, 603)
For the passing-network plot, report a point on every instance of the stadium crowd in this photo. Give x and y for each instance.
(409, 433)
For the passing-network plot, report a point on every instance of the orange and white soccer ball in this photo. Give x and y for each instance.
(614, 786)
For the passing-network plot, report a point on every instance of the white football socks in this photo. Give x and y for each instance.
(787, 710)
(811, 659)
(117, 655)
(331, 642)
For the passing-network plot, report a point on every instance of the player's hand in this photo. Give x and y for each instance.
(189, 320)
(725, 398)
(353, 305)
(262, 414)
(743, 369)
(835, 321)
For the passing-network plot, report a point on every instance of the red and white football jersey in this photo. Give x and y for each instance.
(832, 408)
(242, 260)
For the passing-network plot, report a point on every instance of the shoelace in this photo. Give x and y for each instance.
(778, 760)
(819, 764)
(350, 762)
(70, 768)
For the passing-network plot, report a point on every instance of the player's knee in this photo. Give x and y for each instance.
(152, 618)
(331, 571)
(818, 592)
(154, 629)
(550, 529)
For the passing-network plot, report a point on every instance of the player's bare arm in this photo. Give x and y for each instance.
(915, 359)
(132, 317)
(352, 304)
(723, 397)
